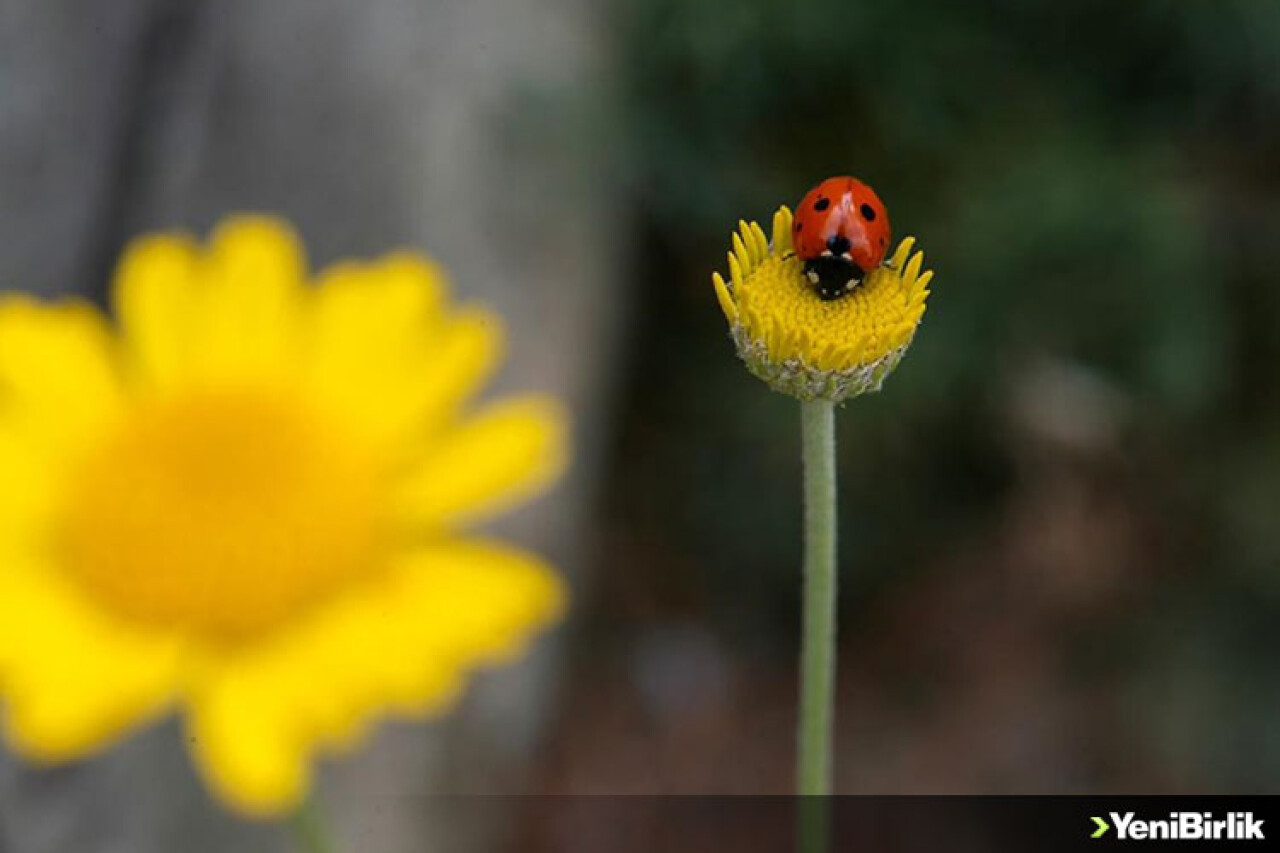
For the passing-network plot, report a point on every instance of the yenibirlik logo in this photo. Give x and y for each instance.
(1183, 826)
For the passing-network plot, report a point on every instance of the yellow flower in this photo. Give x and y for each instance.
(810, 348)
(245, 503)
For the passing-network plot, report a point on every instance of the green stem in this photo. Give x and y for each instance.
(818, 648)
(310, 829)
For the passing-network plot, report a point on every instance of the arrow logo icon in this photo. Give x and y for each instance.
(1103, 826)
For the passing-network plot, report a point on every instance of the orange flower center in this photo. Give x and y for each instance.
(223, 513)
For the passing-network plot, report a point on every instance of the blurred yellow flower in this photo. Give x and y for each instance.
(245, 502)
(807, 347)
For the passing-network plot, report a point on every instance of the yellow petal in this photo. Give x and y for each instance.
(461, 361)
(761, 242)
(735, 272)
(482, 600)
(740, 250)
(155, 302)
(912, 271)
(901, 253)
(74, 679)
(507, 452)
(383, 353)
(244, 745)
(251, 292)
(725, 298)
(27, 494)
(387, 305)
(58, 378)
(782, 230)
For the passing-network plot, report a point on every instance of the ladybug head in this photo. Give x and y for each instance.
(832, 276)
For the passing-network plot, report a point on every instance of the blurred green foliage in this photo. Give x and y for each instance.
(1095, 184)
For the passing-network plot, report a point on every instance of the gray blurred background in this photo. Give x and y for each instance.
(1060, 550)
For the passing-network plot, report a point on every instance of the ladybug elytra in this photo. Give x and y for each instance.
(841, 232)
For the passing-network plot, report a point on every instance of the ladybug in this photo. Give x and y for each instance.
(841, 232)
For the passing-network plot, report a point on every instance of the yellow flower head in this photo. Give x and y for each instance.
(807, 347)
(245, 504)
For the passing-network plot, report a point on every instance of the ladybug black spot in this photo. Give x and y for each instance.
(838, 244)
(822, 204)
(799, 226)
(868, 212)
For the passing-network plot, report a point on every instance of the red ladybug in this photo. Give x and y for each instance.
(841, 232)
